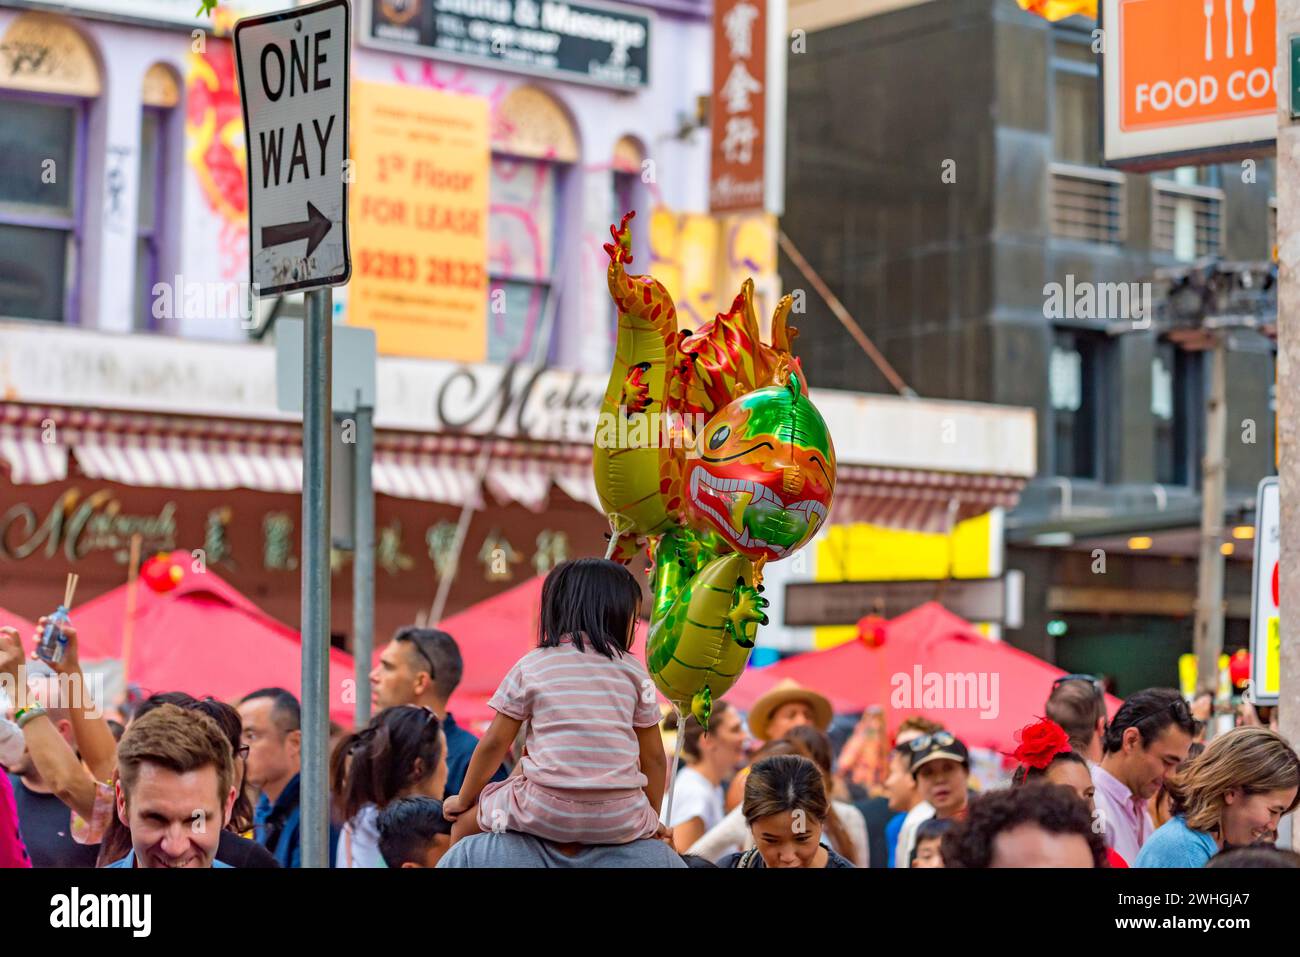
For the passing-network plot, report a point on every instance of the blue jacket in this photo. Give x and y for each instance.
(1174, 844)
(278, 826)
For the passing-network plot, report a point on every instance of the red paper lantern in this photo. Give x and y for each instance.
(871, 631)
(161, 574)
(1239, 667)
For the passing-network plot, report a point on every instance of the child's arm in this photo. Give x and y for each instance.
(654, 764)
(488, 755)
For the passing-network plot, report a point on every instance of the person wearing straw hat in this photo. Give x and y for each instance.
(788, 705)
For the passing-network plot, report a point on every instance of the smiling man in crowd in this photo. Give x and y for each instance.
(1148, 739)
(175, 789)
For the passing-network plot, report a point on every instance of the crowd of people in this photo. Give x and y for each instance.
(574, 771)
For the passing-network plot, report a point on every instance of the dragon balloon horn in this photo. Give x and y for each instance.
(709, 450)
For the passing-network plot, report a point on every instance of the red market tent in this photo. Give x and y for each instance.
(1009, 688)
(25, 627)
(492, 636)
(206, 638)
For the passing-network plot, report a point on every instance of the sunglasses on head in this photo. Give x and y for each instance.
(414, 642)
(943, 739)
(1093, 680)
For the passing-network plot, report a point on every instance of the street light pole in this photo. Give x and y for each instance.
(1208, 640)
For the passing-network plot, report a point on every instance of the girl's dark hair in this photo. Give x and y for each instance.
(400, 747)
(818, 744)
(784, 783)
(590, 600)
(1025, 774)
(117, 837)
(694, 730)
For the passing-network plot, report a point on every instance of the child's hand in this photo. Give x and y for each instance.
(453, 807)
(665, 834)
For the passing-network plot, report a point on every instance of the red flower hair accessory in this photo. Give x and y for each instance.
(1039, 743)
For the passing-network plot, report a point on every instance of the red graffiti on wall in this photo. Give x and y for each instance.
(215, 147)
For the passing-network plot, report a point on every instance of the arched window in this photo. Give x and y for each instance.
(44, 101)
(534, 148)
(160, 96)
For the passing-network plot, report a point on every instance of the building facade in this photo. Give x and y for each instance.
(944, 177)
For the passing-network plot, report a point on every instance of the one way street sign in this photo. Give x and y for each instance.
(294, 78)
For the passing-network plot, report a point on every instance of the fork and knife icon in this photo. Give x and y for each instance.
(1248, 8)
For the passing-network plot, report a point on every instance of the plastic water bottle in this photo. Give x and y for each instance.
(54, 644)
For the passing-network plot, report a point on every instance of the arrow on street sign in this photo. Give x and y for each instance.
(312, 229)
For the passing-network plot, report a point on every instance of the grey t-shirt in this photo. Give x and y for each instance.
(510, 849)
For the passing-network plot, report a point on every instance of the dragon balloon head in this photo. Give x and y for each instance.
(763, 472)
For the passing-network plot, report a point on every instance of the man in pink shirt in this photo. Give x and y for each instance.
(1148, 739)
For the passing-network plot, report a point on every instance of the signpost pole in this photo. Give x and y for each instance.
(1288, 378)
(317, 418)
(363, 564)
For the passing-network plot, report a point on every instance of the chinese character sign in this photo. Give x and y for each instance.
(739, 101)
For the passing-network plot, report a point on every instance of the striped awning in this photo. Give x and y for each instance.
(194, 453)
(35, 453)
(207, 454)
(917, 499)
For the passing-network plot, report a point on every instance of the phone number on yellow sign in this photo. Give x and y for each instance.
(436, 272)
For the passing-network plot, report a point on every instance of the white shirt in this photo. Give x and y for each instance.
(694, 795)
(359, 842)
(733, 834)
(907, 833)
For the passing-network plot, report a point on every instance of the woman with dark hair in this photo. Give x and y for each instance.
(845, 826)
(593, 769)
(786, 808)
(234, 848)
(1231, 795)
(1046, 756)
(731, 834)
(400, 753)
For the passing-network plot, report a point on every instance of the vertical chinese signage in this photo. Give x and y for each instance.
(738, 114)
(419, 221)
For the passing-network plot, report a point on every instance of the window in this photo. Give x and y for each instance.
(521, 240)
(40, 145)
(1178, 409)
(1188, 214)
(1087, 202)
(149, 185)
(1076, 384)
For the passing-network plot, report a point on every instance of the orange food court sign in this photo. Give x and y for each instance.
(1183, 76)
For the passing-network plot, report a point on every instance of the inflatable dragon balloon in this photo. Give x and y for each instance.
(709, 449)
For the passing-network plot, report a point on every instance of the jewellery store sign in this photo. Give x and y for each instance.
(598, 43)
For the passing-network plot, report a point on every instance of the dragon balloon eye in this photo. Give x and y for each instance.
(719, 437)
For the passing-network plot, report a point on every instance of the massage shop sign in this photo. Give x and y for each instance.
(590, 42)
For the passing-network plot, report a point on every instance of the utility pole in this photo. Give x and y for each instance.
(1288, 374)
(1208, 639)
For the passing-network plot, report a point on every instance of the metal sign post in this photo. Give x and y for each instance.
(293, 78)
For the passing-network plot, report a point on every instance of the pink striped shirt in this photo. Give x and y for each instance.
(582, 709)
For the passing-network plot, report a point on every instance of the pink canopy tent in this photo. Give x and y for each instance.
(924, 642)
(25, 627)
(206, 638)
